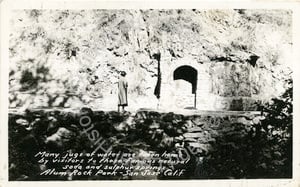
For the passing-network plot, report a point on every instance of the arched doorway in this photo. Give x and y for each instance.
(185, 78)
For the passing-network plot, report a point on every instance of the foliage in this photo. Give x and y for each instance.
(277, 131)
(263, 152)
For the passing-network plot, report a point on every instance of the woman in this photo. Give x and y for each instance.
(122, 92)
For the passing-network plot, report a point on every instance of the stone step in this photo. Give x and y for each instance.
(197, 145)
(193, 135)
(190, 140)
(195, 129)
(200, 148)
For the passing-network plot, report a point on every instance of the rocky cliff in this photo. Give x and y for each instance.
(246, 52)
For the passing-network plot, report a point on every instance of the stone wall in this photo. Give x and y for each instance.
(143, 132)
(220, 86)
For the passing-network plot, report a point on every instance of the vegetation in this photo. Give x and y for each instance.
(265, 151)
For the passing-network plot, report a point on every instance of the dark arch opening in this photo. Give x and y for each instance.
(190, 75)
(187, 73)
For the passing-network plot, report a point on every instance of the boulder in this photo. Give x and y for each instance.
(60, 139)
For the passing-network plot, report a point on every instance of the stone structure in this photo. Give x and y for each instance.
(197, 134)
(187, 83)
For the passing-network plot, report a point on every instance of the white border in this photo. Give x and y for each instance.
(8, 5)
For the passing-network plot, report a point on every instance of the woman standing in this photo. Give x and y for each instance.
(122, 92)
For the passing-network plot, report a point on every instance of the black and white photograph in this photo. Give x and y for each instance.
(150, 94)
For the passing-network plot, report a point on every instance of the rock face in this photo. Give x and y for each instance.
(227, 59)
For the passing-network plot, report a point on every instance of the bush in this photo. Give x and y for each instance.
(265, 151)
